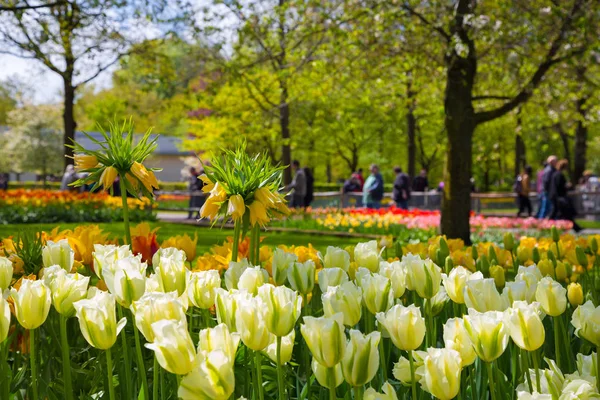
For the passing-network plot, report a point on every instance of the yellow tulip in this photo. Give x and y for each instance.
(575, 294)
(405, 326)
(171, 271)
(336, 257)
(236, 207)
(455, 283)
(67, 289)
(258, 214)
(425, 277)
(482, 295)
(202, 288)
(84, 161)
(252, 278)
(552, 297)
(301, 276)
(32, 303)
(396, 273)
(329, 277)
(378, 295)
(218, 338)
(497, 272)
(361, 359)
(283, 307)
(525, 325)
(346, 299)
(153, 307)
(173, 346)
(226, 304)
(325, 338)
(457, 338)
(442, 368)
(6, 273)
(251, 323)
(183, 242)
(367, 255)
(108, 177)
(488, 332)
(212, 378)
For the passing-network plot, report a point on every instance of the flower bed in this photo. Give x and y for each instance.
(395, 221)
(39, 206)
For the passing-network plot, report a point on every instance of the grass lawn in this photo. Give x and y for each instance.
(206, 237)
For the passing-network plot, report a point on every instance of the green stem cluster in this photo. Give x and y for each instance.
(66, 358)
(280, 382)
(125, 209)
(109, 367)
(34, 386)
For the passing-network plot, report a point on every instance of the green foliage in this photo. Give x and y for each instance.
(28, 247)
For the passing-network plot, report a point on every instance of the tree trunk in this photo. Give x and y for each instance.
(520, 160)
(284, 107)
(460, 126)
(580, 146)
(411, 127)
(328, 169)
(69, 120)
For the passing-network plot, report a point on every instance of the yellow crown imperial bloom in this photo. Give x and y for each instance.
(84, 161)
(108, 177)
(258, 213)
(265, 196)
(146, 177)
(132, 181)
(236, 207)
(208, 184)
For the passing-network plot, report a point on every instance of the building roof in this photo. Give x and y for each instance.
(167, 145)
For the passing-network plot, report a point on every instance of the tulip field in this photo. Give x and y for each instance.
(88, 316)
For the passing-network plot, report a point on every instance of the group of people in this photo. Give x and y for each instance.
(372, 188)
(302, 186)
(552, 187)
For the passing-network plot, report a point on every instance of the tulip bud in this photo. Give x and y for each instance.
(6, 273)
(331, 277)
(389, 393)
(493, 258)
(58, 253)
(551, 257)
(169, 266)
(442, 368)
(252, 278)
(283, 307)
(546, 267)
(552, 297)
(509, 241)
(361, 360)
(594, 245)
(281, 262)
(32, 303)
(173, 346)
(67, 289)
(153, 307)
(346, 299)
(483, 265)
(98, 320)
(425, 277)
(322, 374)
(377, 293)
(367, 255)
(555, 234)
(212, 378)
(201, 288)
(575, 294)
(536, 255)
(586, 320)
(287, 346)
(301, 276)
(325, 338)
(336, 257)
(251, 323)
(405, 326)
(474, 253)
(525, 325)
(488, 333)
(398, 249)
(444, 247)
(218, 338)
(4, 319)
(448, 264)
(456, 338)
(561, 271)
(497, 272)
(581, 257)
(396, 273)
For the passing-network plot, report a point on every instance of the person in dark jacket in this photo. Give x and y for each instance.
(196, 200)
(562, 205)
(545, 202)
(310, 186)
(401, 192)
(420, 183)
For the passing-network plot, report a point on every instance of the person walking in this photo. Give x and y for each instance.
(373, 188)
(401, 192)
(298, 185)
(562, 205)
(310, 187)
(420, 183)
(522, 188)
(69, 177)
(194, 185)
(545, 203)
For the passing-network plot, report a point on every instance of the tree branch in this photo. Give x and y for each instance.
(527, 91)
(490, 97)
(421, 17)
(30, 7)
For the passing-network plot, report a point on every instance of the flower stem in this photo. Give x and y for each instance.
(536, 365)
(125, 209)
(359, 392)
(331, 383)
(382, 362)
(161, 374)
(109, 367)
(140, 364)
(525, 359)
(155, 379)
(66, 358)
(598, 367)
(280, 384)
(236, 240)
(5, 386)
(488, 366)
(34, 387)
(557, 333)
(259, 378)
(125, 350)
(429, 330)
(413, 382)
